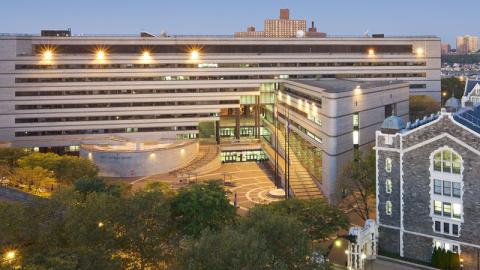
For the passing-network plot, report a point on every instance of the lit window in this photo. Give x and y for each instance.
(437, 207)
(388, 165)
(447, 209)
(388, 208)
(356, 137)
(388, 186)
(457, 211)
(446, 161)
(356, 121)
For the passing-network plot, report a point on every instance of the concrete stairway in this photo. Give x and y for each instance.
(207, 160)
(301, 182)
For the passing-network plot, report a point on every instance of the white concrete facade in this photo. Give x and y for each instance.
(30, 84)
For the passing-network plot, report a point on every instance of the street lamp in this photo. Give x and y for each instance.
(10, 255)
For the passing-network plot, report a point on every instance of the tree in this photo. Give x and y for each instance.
(67, 169)
(148, 238)
(452, 87)
(421, 106)
(201, 207)
(319, 218)
(358, 182)
(10, 155)
(262, 240)
(70, 168)
(89, 185)
(35, 177)
(229, 249)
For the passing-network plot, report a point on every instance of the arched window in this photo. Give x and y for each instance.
(447, 161)
(388, 165)
(388, 186)
(388, 208)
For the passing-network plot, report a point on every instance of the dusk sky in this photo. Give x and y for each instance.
(446, 19)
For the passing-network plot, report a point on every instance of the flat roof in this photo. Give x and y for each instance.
(344, 85)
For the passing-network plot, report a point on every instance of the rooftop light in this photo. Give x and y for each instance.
(100, 55)
(194, 55)
(146, 55)
(47, 55)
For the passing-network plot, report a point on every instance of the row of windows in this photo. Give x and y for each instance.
(102, 131)
(214, 65)
(446, 161)
(110, 118)
(317, 100)
(302, 129)
(447, 188)
(131, 92)
(447, 246)
(232, 48)
(447, 228)
(242, 77)
(308, 116)
(122, 104)
(447, 209)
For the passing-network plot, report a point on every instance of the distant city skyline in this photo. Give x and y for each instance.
(349, 17)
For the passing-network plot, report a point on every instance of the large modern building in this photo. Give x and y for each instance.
(427, 183)
(328, 120)
(58, 90)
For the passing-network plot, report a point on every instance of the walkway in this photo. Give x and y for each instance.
(301, 183)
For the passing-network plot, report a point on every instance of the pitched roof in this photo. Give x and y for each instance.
(469, 118)
(470, 85)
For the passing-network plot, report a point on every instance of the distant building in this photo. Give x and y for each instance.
(467, 44)
(427, 185)
(446, 48)
(283, 27)
(471, 95)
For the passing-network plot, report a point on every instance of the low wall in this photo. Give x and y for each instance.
(138, 163)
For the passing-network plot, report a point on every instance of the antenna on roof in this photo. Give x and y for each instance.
(366, 34)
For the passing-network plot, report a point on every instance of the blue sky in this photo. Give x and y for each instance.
(446, 19)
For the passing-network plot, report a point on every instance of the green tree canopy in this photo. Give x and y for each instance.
(201, 207)
(319, 218)
(421, 106)
(67, 169)
(452, 87)
(262, 240)
(10, 155)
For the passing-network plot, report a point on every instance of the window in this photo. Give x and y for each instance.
(446, 228)
(447, 161)
(388, 186)
(447, 188)
(437, 209)
(388, 208)
(457, 211)
(447, 209)
(437, 162)
(455, 229)
(456, 164)
(356, 120)
(437, 187)
(438, 226)
(388, 165)
(456, 190)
